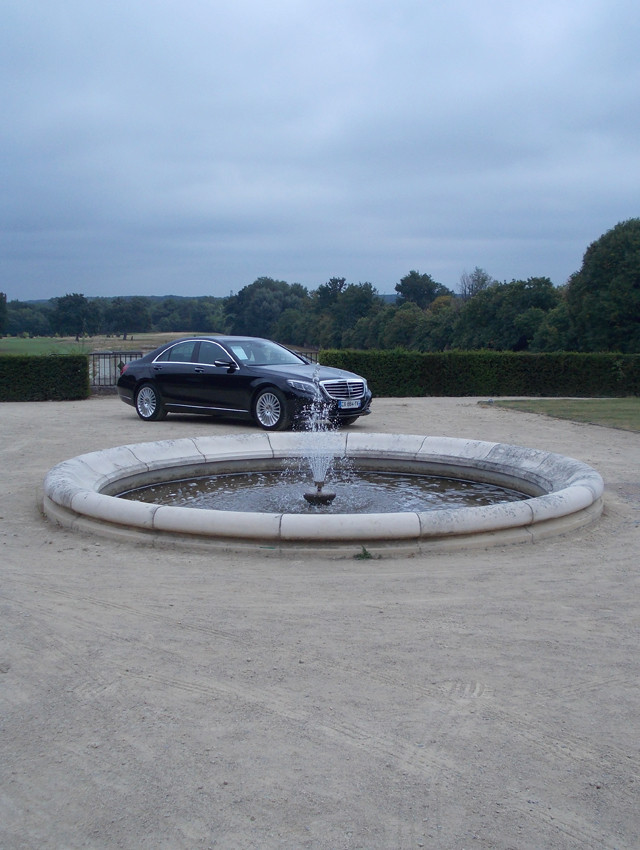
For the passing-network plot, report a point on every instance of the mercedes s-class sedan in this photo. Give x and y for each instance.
(242, 377)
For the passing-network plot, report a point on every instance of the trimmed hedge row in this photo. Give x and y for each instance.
(401, 373)
(46, 377)
(397, 373)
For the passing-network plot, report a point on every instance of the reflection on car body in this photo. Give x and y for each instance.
(244, 377)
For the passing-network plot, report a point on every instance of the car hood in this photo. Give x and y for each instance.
(308, 372)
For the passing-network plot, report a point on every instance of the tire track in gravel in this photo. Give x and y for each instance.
(569, 749)
(423, 761)
(138, 613)
(427, 761)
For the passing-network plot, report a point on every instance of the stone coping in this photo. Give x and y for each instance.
(564, 493)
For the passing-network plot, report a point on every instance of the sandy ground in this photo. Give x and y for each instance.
(179, 699)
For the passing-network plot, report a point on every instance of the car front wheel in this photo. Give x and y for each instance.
(270, 410)
(149, 404)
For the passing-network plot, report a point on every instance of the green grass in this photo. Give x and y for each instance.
(38, 345)
(68, 344)
(621, 413)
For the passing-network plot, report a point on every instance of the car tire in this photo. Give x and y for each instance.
(270, 410)
(149, 405)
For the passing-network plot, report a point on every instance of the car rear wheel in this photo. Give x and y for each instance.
(270, 410)
(149, 404)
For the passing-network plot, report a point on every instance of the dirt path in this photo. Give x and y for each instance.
(158, 698)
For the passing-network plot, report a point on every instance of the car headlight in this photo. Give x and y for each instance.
(302, 386)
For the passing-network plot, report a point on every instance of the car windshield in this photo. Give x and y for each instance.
(260, 352)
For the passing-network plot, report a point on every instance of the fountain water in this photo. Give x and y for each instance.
(358, 490)
(320, 454)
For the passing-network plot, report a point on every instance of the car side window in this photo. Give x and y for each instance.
(210, 352)
(182, 352)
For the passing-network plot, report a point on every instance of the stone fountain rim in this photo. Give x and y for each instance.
(567, 492)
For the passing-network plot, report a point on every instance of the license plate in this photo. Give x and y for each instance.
(348, 403)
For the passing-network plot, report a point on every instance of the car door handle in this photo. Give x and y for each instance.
(199, 369)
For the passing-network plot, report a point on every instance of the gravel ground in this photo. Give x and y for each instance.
(167, 698)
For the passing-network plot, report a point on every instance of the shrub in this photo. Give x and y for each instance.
(402, 373)
(44, 377)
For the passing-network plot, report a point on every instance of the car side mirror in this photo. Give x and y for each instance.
(229, 365)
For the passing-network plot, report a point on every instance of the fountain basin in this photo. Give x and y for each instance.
(563, 493)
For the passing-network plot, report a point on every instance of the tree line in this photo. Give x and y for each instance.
(598, 309)
(76, 315)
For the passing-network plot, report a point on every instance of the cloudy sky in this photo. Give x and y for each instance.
(191, 146)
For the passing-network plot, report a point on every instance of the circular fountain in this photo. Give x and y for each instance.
(561, 493)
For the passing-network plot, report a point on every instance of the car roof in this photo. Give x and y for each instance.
(220, 338)
(241, 339)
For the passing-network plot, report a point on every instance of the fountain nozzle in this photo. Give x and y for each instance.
(319, 496)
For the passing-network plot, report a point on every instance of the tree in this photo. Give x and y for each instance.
(438, 329)
(402, 328)
(472, 284)
(293, 327)
(420, 289)
(126, 315)
(368, 330)
(554, 333)
(26, 318)
(501, 318)
(73, 315)
(603, 298)
(3, 313)
(207, 314)
(355, 301)
(327, 294)
(337, 307)
(193, 315)
(255, 310)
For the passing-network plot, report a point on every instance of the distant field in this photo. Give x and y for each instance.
(68, 344)
(611, 412)
(39, 345)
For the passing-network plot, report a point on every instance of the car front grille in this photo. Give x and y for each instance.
(343, 389)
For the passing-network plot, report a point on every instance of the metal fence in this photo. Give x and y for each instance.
(310, 354)
(105, 366)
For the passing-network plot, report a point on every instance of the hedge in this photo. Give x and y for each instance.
(396, 373)
(47, 377)
(401, 373)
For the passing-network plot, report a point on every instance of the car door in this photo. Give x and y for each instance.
(174, 372)
(220, 387)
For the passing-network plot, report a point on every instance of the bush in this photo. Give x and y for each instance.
(402, 373)
(44, 377)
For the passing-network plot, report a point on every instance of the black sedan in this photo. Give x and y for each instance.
(243, 377)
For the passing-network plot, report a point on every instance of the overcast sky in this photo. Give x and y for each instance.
(191, 146)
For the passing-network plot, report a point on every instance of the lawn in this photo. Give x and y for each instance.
(38, 345)
(611, 412)
(68, 345)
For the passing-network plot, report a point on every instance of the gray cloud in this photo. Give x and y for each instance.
(157, 146)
